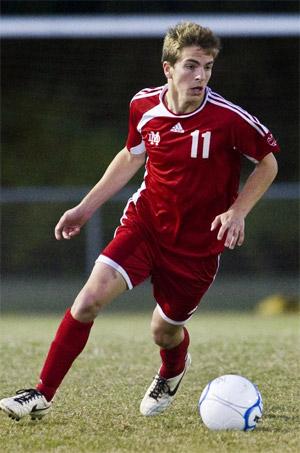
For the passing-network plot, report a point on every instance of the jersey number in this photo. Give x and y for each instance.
(206, 144)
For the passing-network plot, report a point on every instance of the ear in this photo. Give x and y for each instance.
(168, 69)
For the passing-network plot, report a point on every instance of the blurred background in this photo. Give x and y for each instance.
(65, 95)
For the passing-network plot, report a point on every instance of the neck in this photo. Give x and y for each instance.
(180, 105)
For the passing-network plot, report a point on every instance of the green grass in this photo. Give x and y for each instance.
(97, 408)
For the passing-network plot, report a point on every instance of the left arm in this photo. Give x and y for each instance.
(233, 220)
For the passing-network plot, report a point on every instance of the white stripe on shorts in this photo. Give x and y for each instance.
(104, 259)
(170, 321)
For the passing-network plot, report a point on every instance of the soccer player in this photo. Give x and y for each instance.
(176, 225)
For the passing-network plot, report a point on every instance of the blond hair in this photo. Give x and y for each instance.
(188, 34)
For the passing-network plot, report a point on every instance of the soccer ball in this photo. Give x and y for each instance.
(230, 402)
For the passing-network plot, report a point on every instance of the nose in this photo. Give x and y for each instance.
(201, 74)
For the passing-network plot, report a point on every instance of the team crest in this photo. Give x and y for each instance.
(154, 138)
(271, 140)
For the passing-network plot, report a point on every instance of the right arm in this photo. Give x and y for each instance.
(122, 168)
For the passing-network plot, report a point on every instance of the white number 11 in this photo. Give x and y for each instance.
(206, 143)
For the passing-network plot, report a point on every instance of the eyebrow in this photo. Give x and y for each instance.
(191, 60)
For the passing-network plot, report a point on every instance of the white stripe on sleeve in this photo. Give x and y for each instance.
(139, 149)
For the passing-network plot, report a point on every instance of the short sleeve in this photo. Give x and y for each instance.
(134, 142)
(252, 138)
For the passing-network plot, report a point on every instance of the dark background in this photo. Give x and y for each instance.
(65, 102)
(159, 6)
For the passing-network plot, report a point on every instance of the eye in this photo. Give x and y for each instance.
(190, 66)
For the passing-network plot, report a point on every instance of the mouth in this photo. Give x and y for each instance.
(197, 90)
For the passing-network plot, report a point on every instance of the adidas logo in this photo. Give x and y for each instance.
(177, 128)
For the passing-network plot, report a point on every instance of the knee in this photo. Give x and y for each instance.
(90, 301)
(165, 339)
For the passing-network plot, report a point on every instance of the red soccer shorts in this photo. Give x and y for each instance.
(179, 282)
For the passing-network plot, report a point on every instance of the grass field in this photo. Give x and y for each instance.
(97, 408)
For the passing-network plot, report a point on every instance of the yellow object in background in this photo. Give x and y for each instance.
(276, 304)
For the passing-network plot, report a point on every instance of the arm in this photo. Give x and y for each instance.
(116, 176)
(233, 220)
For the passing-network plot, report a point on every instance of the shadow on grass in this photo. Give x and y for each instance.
(285, 422)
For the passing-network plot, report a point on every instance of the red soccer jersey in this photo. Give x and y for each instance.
(193, 167)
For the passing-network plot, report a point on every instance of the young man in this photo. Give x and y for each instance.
(176, 225)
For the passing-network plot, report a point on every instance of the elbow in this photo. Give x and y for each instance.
(274, 168)
(271, 166)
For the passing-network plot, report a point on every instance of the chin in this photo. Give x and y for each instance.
(195, 97)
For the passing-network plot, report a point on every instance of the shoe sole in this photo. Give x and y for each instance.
(13, 416)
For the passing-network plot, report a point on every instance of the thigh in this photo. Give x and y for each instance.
(160, 324)
(101, 288)
(180, 285)
(105, 282)
(131, 254)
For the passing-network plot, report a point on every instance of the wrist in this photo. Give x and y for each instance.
(241, 211)
(86, 210)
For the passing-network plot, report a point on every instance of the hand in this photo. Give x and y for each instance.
(232, 222)
(70, 223)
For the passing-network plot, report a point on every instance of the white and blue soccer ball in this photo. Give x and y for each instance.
(231, 402)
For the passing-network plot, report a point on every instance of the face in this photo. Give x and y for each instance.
(189, 76)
